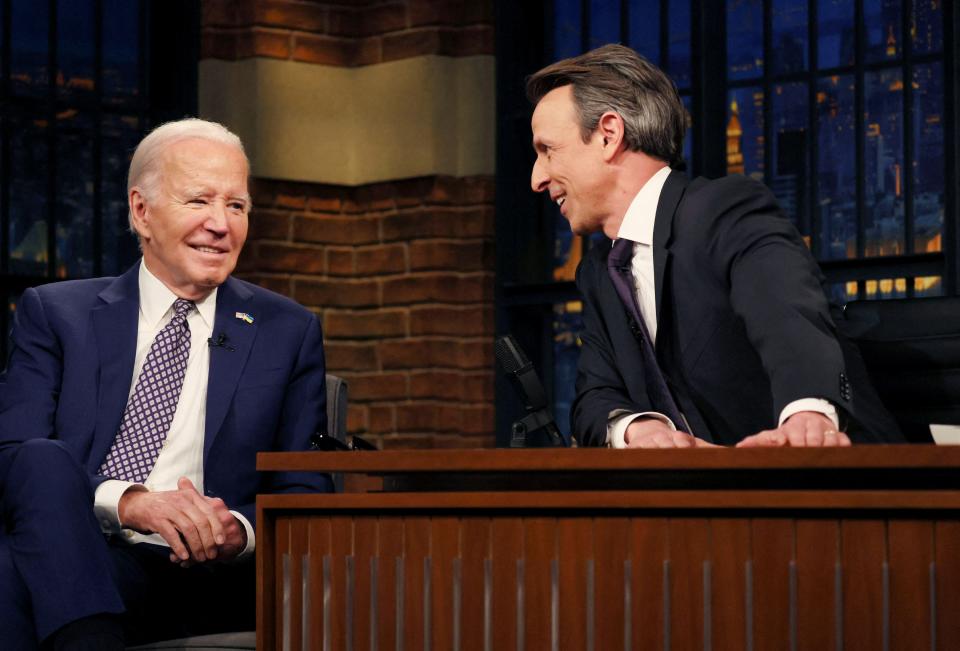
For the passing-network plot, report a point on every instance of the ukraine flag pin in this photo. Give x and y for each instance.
(243, 316)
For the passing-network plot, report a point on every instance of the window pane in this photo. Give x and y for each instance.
(883, 162)
(567, 23)
(835, 33)
(119, 247)
(882, 27)
(74, 195)
(927, 160)
(886, 288)
(121, 49)
(789, 51)
(927, 20)
(688, 136)
(679, 51)
(29, 30)
(567, 250)
(604, 22)
(28, 196)
(928, 286)
(789, 178)
(842, 293)
(75, 47)
(645, 28)
(745, 132)
(836, 168)
(567, 325)
(744, 39)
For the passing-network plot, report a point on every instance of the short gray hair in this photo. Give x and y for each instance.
(615, 78)
(146, 167)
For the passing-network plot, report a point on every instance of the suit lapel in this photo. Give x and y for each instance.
(670, 197)
(227, 361)
(115, 323)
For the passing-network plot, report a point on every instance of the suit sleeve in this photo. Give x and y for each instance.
(31, 383)
(601, 389)
(303, 413)
(775, 287)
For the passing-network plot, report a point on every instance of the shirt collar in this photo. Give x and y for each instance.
(637, 224)
(156, 300)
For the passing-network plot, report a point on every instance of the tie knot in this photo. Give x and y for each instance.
(621, 253)
(182, 307)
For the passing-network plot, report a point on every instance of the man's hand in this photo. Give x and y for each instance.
(804, 429)
(190, 523)
(234, 533)
(654, 433)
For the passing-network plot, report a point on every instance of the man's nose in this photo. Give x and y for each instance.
(217, 218)
(539, 179)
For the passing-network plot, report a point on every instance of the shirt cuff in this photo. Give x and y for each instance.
(106, 500)
(617, 426)
(810, 404)
(251, 537)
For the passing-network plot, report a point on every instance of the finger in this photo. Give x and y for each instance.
(830, 438)
(170, 534)
(700, 443)
(766, 438)
(843, 440)
(682, 440)
(794, 436)
(816, 435)
(194, 527)
(206, 506)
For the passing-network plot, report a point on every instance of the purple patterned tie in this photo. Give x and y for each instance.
(150, 410)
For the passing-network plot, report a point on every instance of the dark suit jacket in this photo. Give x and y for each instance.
(743, 326)
(71, 366)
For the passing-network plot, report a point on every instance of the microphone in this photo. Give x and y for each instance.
(518, 368)
(220, 342)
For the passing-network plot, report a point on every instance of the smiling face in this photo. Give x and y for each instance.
(194, 227)
(574, 172)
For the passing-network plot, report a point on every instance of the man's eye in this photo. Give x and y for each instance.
(197, 202)
(239, 207)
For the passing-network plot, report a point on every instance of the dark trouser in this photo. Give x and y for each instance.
(56, 566)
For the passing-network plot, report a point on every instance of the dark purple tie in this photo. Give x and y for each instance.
(150, 410)
(618, 264)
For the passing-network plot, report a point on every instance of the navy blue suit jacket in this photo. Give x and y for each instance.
(71, 366)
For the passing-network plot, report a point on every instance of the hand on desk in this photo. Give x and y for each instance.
(805, 429)
(197, 528)
(654, 433)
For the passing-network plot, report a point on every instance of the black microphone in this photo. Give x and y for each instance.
(524, 378)
(220, 342)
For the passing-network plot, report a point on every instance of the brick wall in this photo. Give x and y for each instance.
(401, 274)
(348, 32)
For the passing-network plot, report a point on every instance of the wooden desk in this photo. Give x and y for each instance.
(603, 550)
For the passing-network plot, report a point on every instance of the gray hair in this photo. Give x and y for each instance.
(146, 169)
(615, 78)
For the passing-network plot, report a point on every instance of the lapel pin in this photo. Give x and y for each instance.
(243, 316)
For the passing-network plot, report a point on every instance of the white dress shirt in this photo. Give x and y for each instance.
(182, 452)
(637, 226)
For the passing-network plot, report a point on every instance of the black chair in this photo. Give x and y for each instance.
(336, 426)
(911, 348)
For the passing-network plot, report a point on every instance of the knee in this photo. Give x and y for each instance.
(42, 465)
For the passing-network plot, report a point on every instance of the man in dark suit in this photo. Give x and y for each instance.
(131, 412)
(706, 323)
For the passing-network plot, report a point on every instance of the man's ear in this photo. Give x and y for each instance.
(138, 212)
(610, 127)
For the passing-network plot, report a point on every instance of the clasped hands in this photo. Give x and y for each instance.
(197, 528)
(802, 429)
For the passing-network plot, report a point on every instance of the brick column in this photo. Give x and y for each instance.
(400, 271)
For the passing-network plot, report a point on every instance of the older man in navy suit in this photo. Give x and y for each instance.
(131, 412)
